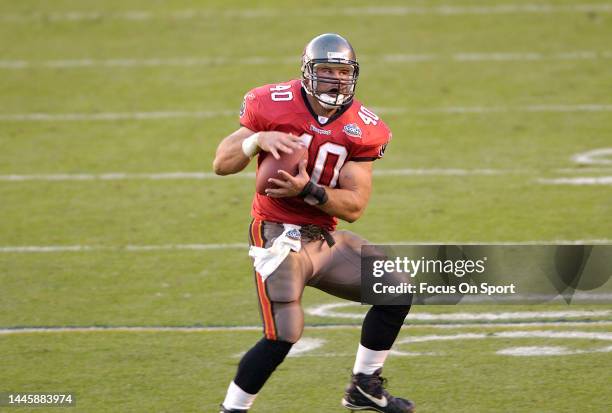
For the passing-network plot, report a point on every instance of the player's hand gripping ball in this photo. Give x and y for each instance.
(270, 166)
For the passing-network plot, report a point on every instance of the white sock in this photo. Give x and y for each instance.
(238, 399)
(368, 361)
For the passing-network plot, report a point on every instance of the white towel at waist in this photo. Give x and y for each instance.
(266, 260)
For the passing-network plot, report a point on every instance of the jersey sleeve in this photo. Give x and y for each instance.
(251, 115)
(372, 148)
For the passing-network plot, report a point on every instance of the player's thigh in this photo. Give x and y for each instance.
(280, 292)
(287, 282)
(284, 288)
(338, 269)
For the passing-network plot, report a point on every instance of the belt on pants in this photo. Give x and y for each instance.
(315, 233)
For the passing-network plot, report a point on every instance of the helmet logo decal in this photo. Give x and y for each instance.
(336, 55)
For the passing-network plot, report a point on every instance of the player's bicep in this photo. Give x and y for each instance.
(233, 141)
(357, 177)
(239, 135)
(229, 157)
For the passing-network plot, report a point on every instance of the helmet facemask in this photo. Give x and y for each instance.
(331, 92)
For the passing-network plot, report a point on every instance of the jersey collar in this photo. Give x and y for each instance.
(316, 117)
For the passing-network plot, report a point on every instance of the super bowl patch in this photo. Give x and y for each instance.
(294, 234)
(352, 130)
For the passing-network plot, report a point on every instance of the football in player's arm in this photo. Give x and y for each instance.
(348, 201)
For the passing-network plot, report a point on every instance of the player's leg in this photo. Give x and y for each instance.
(378, 333)
(337, 270)
(283, 319)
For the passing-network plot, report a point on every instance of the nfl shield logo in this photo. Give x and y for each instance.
(352, 130)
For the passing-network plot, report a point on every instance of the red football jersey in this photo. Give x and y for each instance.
(353, 134)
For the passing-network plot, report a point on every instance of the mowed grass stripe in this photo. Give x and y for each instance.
(215, 329)
(258, 13)
(467, 57)
(416, 172)
(154, 115)
(237, 245)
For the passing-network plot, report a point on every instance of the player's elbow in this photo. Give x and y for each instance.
(227, 163)
(354, 214)
(351, 218)
(218, 167)
(223, 165)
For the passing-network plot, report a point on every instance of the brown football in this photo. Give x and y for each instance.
(269, 168)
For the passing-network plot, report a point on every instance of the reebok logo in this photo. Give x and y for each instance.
(320, 131)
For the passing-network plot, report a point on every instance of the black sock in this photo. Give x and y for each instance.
(259, 363)
(381, 326)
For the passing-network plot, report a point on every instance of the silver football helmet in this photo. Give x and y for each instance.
(330, 49)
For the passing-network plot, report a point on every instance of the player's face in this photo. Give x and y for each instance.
(338, 76)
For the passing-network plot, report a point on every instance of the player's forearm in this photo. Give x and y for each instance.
(230, 161)
(344, 204)
(230, 157)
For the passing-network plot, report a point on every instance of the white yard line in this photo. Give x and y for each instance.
(114, 116)
(444, 172)
(149, 62)
(186, 329)
(128, 248)
(600, 156)
(553, 108)
(330, 311)
(120, 176)
(452, 10)
(237, 245)
(513, 351)
(509, 334)
(198, 176)
(258, 13)
(189, 61)
(529, 242)
(579, 181)
(580, 169)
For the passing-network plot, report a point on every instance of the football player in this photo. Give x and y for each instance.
(298, 216)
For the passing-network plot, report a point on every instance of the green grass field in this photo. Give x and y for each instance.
(488, 102)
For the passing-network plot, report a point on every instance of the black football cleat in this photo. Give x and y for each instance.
(367, 392)
(224, 410)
